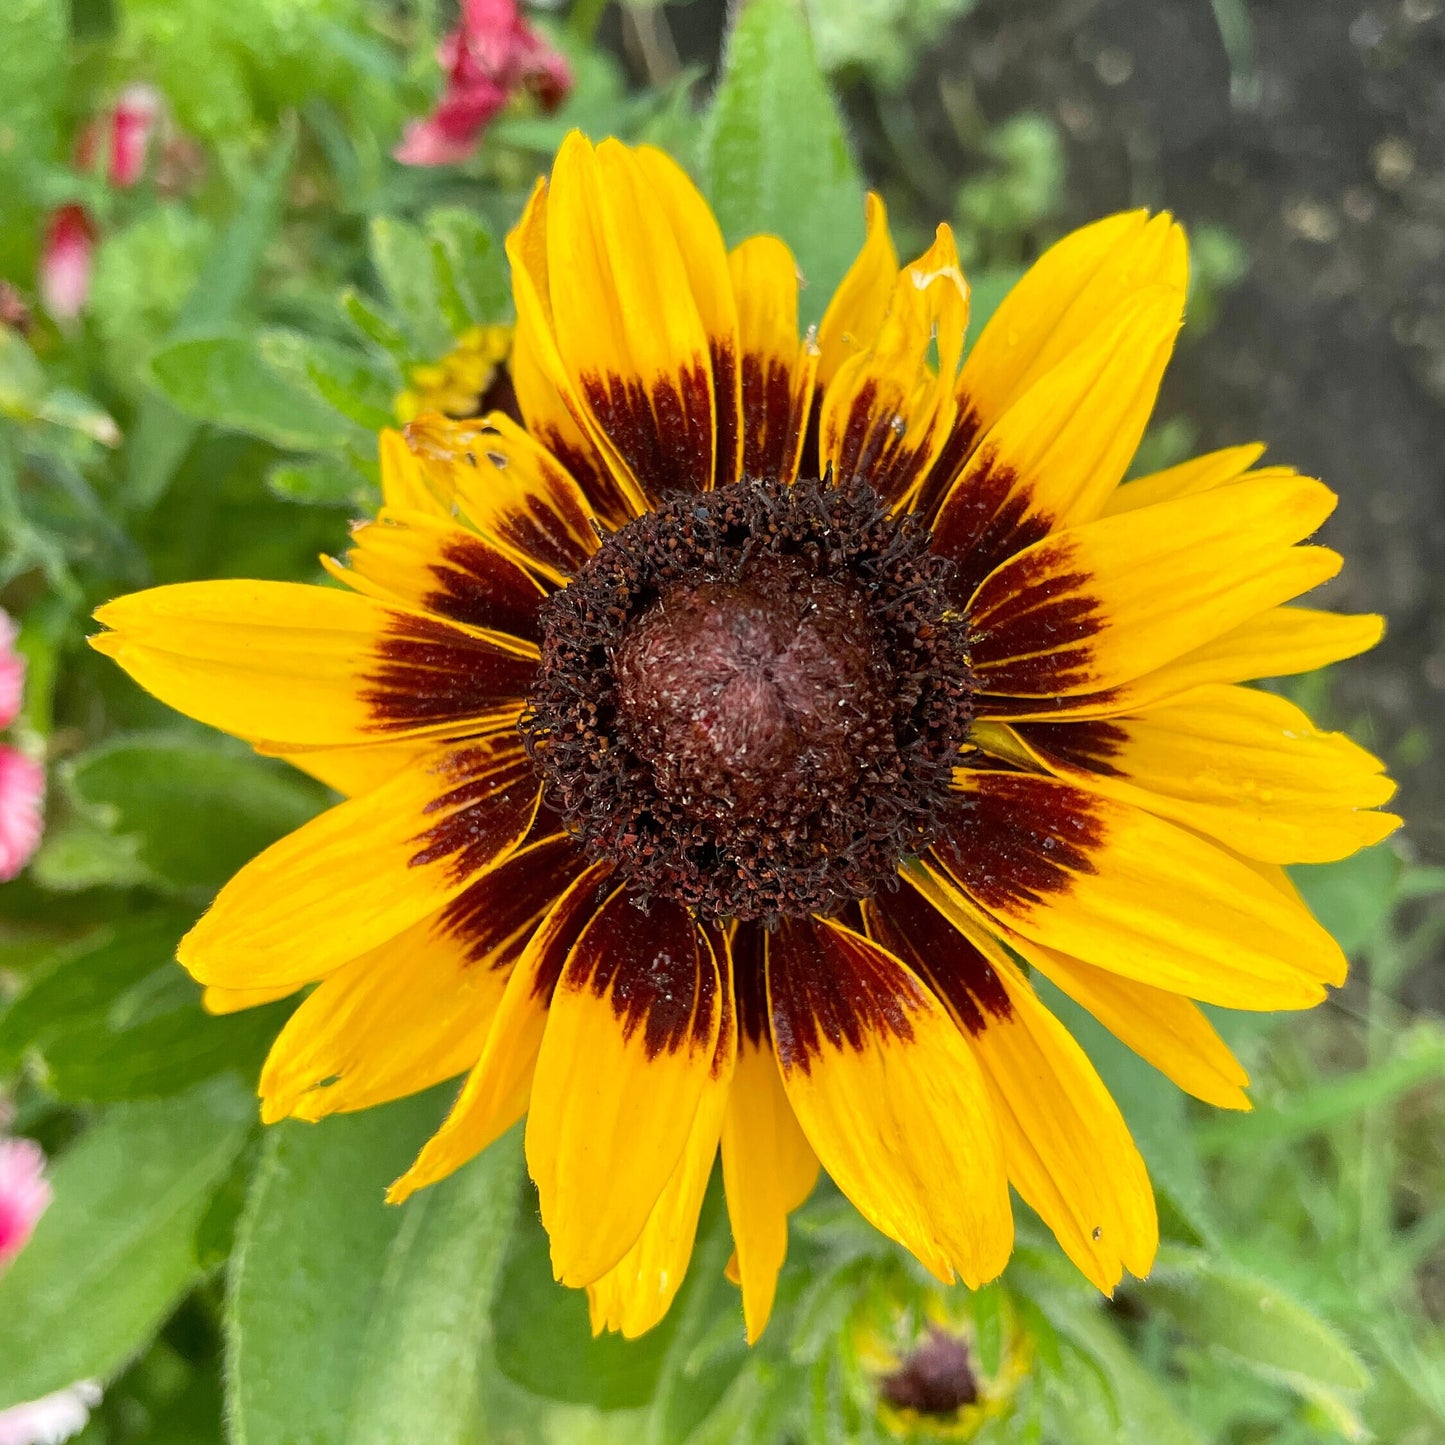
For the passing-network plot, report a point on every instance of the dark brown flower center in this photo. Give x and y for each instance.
(751, 700)
(936, 1379)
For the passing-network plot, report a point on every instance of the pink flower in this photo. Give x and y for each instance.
(24, 1194)
(50, 1420)
(22, 793)
(488, 58)
(65, 261)
(131, 125)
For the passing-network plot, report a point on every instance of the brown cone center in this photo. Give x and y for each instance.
(754, 688)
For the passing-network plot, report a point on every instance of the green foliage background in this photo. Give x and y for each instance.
(214, 414)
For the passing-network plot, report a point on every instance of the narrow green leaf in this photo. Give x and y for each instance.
(223, 379)
(116, 1250)
(801, 185)
(352, 1321)
(1254, 1320)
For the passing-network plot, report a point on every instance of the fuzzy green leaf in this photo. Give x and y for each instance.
(774, 156)
(116, 1250)
(352, 1322)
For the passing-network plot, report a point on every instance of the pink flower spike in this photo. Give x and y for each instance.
(12, 672)
(24, 1194)
(22, 791)
(132, 124)
(65, 261)
(51, 1419)
(491, 56)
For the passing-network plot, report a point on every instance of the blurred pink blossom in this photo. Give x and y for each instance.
(66, 260)
(24, 1194)
(22, 820)
(125, 133)
(491, 56)
(129, 126)
(51, 1419)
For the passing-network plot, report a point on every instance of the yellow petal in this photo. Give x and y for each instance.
(1276, 643)
(366, 869)
(630, 1045)
(418, 1008)
(1092, 607)
(860, 303)
(232, 1000)
(777, 373)
(513, 491)
(890, 1097)
(355, 769)
(549, 403)
(1119, 888)
(284, 663)
(1243, 766)
(629, 332)
(1064, 299)
(1068, 1150)
(887, 410)
(1199, 474)
(404, 485)
(769, 1167)
(1168, 1031)
(495, 1094)
(709, 275)
(637, 1291)
(417, 562)
(1061, 447)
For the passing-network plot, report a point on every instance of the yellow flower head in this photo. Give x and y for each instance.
(722, 742)
(932, 1377)
(469, 381)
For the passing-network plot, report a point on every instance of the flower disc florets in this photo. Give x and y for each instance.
(752, 699)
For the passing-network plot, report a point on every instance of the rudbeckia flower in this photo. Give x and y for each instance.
(728, 743)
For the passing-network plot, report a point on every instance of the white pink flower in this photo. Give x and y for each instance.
(52, 1418)
(491, 56)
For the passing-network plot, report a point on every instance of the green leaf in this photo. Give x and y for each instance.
(160, 437)
(801, 184)
(224, 379)
(352, 1321)
(32, 74)
(1250, 1318)
(322, 482)
(470, 266)
(116, 1250)
(115, 1017)
(340, 377)
(1145, 1407)
(538, 1322)
(198, 811)
(402, 256)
